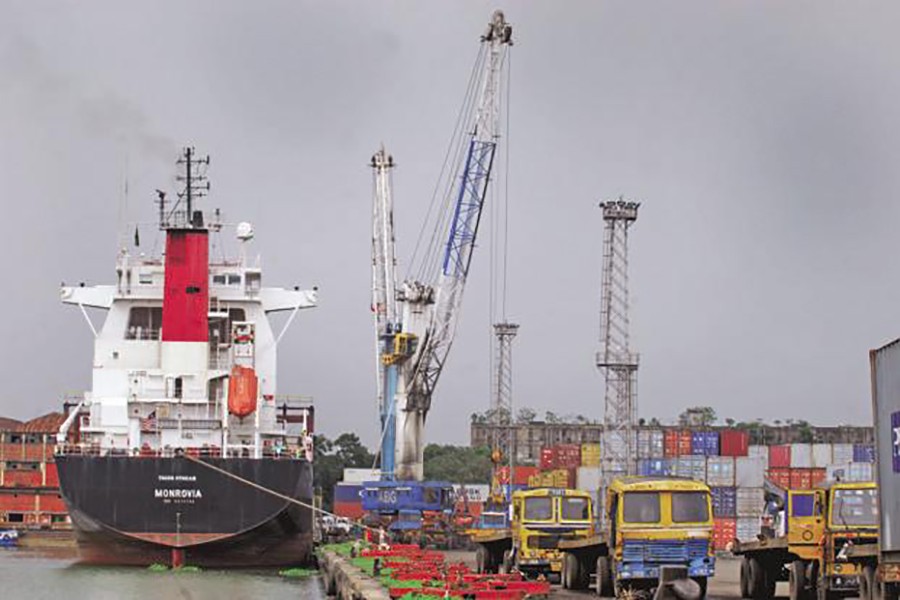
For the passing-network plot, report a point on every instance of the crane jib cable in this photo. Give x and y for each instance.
(266, 490)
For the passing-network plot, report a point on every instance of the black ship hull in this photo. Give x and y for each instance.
(143, 510)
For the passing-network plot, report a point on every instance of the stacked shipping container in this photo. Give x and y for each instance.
(29, 482)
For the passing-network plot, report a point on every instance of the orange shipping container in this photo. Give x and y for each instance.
(670, 443)
(724, 532)
(51, 475)
(17, 502)
(521, 474)
(780, 477)
(801, 479)
(51, 503)
(22, 478)
(684, 443)
(817, 476)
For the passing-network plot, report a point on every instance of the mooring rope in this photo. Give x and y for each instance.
(266, 490)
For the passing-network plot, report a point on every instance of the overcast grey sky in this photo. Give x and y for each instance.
(761, 137)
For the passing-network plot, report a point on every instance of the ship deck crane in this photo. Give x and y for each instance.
(417, 320)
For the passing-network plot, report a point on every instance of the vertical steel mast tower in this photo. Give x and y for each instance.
(502, 445)
(384, 303)
(615, 359)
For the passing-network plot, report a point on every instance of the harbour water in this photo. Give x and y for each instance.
(52, 574)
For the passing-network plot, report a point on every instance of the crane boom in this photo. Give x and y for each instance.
(430, 313)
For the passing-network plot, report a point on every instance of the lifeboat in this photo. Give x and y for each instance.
(242, 391)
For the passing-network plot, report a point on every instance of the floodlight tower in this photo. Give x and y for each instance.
(501, 421)
(615, 359)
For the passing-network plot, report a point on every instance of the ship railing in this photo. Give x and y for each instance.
(89, 449)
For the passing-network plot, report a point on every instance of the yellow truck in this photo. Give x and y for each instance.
(649, 522)
(825, 527)
(540, 519)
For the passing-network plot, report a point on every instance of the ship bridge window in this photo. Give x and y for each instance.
(220, 329)
(218, 280)
(234, 279)
(144, 323)
(145, 278)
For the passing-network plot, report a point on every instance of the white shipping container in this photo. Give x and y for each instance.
(747, 528)
(749, 471)
(821, 456)
(650, 443)
(720, 471)
(475, 492)
(801, 456)
(861, 471)
(692, 467)
(759, 451)
(361, 475)
(837, 472)
(841, 454)
(588, 478)
(750, 501)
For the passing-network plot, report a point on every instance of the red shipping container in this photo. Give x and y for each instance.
(547, 459)
(351, 510)
(567, 456)
(801, 479)
(12, 451)
(51, 503)
(52, 475)
(724, 532)
(670, 443)
(22, 478)
(684, 443)
(780, 477)
(779, 456)
(521, 474)
(17, 502)
(817, 477)
(734, 442)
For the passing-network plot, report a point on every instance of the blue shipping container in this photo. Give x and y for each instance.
(348, 492)
(705, 443)
(863, 453)
(643, 467)
(698, 443)
(724, 501)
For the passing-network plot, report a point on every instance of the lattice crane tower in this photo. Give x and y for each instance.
(501, 417)
(615, 359)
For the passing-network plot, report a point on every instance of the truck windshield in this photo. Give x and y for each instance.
(575, 509)
(641, 507)
(690, 507)
(538, 509)
(856, 508)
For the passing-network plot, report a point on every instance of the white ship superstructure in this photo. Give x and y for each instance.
(200, 372)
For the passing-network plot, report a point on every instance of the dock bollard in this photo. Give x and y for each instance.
(674, 584)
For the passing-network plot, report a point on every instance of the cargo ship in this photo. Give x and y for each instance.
(184, 452)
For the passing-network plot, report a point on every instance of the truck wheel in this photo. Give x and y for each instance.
(745, 577)
(570, 572)
(581, 575)
(822, 591)
(604, 577)
(703, 583)
(480, 560)
(761, 588)
(505, 563)
(867, 583)
(797, 580)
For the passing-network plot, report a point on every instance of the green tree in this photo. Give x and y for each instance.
(457, 464)
(332, 457)
(525, 415)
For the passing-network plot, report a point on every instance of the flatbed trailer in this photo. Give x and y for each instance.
(825, 526)
(582, 563)
(491, 547)
(763, 565)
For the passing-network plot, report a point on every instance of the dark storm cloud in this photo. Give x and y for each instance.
(761, 138)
